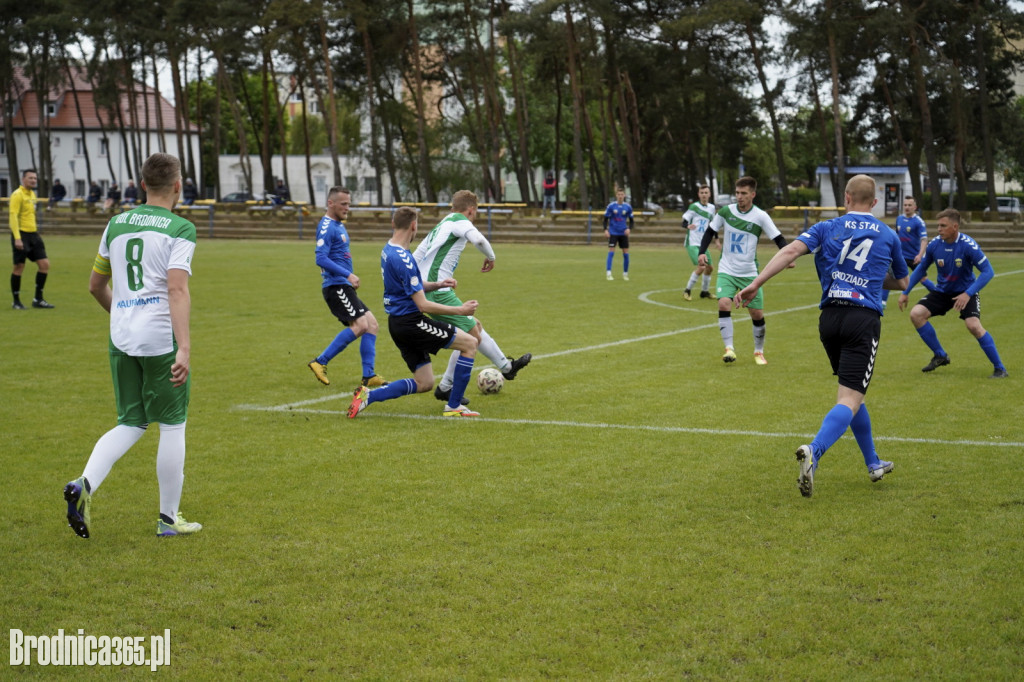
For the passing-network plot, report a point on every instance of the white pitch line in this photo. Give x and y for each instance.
(640, 427)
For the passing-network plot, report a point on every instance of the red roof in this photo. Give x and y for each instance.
(63, 95)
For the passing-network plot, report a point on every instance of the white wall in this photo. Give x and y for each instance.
(232, 179)
(69, 166)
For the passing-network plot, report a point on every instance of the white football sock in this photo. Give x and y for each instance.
(693, 280)
(170, 468)
(108, 449)
(705, 283)
(489, 347)
(448, 380)
(725, 328)
(759, 338)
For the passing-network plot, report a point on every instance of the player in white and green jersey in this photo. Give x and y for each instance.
(696, 219)
(437, 257)
(140, 277)
(739, 226)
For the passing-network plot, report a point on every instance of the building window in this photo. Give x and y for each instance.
(79, 188)
(56, 142)
(104, 147)
(352, 183)
(79, 147)
(3, 187)
(51, 109)
(369, 183)
(3, 146)
(295, 97)
(312, 106)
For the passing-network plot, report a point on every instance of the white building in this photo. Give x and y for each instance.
(893, 183)
(357, 175)
(78, 129)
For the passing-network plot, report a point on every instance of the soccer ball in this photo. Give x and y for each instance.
(489, 380)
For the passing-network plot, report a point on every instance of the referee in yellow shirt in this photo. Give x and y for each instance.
(25, 240)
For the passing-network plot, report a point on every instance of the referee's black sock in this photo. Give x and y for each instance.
(16, 287)
(40, 283)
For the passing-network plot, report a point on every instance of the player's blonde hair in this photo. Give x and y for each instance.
(463, 200)
(160, 171)
(951, 213)
(861, 189)
(403, 217)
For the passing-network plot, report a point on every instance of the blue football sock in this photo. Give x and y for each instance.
(625, 263)
(368, 351)
(861, 427)
(885, 294)
(988, 344)
(927, 334)
(463, 370)
(396, 389)
(340, 342)
(833, 426)
(608, 264)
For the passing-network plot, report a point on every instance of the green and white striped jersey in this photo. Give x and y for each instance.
(137, 250)
(739, 233)
(438, 254)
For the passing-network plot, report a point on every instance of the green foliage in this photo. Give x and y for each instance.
(803, 196)
(619, 512)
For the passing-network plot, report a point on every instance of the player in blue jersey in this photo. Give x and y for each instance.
(852, 255)
(416, 335)
(955, 256)
(913, 236)
(618, 222)
(339, 291)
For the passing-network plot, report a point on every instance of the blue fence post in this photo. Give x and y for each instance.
(590, 219)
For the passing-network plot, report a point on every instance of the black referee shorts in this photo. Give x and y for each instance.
(32, 249)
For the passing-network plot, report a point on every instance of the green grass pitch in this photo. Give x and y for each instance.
(626, 508)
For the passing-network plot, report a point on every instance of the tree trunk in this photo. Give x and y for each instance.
(577, 109)
(837, 119)
(524, 170)
(331, 115)
(423, 150)
(81, 121)
(826, 143)
(983, 105)
(927, 134)
(371, 101)
(172, 58)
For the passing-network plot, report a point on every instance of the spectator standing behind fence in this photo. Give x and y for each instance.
(550, 187)
(57, 193)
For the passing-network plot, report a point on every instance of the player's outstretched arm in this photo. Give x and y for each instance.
(451, 283)
(432, 308)
(779, 262)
